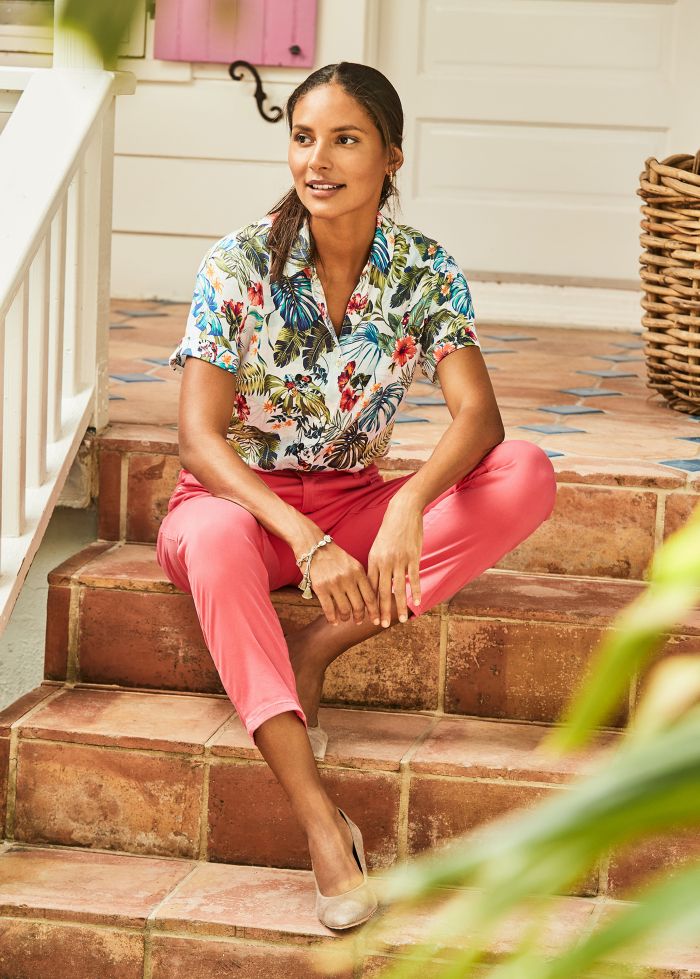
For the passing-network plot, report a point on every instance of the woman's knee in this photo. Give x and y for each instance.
(535, 472)
(215, 532)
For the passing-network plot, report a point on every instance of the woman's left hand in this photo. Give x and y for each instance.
(394, 554)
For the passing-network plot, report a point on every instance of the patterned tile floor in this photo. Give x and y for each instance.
(542, 377)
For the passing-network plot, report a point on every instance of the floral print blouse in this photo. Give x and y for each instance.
(307, 398)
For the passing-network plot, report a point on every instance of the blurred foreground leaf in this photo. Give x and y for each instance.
(104, 22)
(637, 633)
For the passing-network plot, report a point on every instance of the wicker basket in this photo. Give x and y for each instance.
(670, 274)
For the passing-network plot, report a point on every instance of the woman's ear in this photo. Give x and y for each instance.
(396, 160)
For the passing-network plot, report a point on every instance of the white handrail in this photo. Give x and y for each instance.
(56, 161)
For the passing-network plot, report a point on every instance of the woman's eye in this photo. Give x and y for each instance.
(300, 136)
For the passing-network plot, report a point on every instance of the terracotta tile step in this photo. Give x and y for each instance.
(138, 466)
(84, 913)
(508, 645)
(168, 774)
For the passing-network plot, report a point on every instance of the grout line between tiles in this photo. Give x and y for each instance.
(292, 940)
(206, 778)
(149, 925)
(405, 788)
(632, 696)
(123, 493)
(604, 874)
(49, 915)
(146, 692)
(659, 520)
(73, 653)
(442, 656)
(179, 754)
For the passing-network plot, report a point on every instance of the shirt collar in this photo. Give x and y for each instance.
(381, 252)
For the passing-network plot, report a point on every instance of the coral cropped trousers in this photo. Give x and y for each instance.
(218, 551)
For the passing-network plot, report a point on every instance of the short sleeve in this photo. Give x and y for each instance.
(220, 304)
(449, 319)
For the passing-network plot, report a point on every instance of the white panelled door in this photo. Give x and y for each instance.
(527, 124)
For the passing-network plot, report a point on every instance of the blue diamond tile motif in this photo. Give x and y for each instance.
(608, 373)
(616, 357)
(407, 419)
(693, 418)
(425, 401)
(117, 397)
(507, 339)
(135, 378)
(394, 442)
(571, 409)
(690, 465)
(497, 350)
(689, 438)
(139, 313)
(552, 429)
(588, 392)
(162, 361)
(121, 326)
(552, 454)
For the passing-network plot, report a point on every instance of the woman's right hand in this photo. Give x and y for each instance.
(341, 585)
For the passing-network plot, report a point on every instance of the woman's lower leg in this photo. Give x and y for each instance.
(314, 647)
(285, 746)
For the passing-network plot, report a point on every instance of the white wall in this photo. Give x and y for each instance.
(194, 159)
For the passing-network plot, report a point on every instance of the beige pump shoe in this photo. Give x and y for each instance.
(318, 739)
(352, 907)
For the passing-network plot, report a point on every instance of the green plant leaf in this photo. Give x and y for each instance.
(636, 635)
(104, 22)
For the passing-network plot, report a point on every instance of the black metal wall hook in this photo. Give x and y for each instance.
(260, 96)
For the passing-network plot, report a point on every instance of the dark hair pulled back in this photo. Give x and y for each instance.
(379, 98)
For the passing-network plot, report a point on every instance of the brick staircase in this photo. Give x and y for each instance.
(146, 837)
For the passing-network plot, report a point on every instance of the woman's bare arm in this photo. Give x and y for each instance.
(207, 396)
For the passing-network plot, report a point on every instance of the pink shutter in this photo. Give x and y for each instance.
(259, 31)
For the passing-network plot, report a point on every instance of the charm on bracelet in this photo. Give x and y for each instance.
(305, 583)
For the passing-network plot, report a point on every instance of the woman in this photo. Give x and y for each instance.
(303, 336)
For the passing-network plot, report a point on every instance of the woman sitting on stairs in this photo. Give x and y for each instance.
(303, 337)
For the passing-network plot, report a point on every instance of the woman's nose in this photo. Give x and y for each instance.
(319, 155)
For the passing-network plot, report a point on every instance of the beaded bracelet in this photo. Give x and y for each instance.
(305, 583)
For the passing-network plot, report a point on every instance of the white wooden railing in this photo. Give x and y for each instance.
(56, 161)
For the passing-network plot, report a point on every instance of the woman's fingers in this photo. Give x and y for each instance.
(357, 599)
(385, 595)
(327, 605)
(400, 592)
(370, 596)
(414, 581)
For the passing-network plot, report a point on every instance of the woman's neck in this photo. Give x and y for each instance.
(343, 244)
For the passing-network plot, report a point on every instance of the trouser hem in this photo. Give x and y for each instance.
(270, 710)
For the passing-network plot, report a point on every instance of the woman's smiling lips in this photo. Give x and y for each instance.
(329, 188)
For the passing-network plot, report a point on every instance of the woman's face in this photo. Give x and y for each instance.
(335, 141)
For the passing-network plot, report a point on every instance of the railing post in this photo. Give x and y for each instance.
(57, 315)
(105, 163)
(38, 364)
(14, 431)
